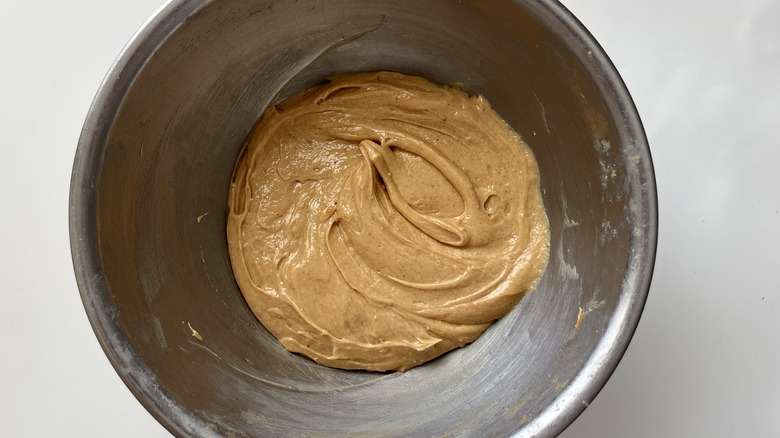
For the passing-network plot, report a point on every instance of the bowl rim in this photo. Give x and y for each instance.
(103, 317)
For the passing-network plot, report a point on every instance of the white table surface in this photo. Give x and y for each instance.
(705, 360)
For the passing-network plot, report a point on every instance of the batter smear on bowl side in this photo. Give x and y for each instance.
(380, 220)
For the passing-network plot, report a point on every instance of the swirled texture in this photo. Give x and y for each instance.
(380, 221)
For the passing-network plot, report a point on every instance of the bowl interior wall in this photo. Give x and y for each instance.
(166, 173)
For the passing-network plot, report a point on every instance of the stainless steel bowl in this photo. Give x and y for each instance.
(148, 203)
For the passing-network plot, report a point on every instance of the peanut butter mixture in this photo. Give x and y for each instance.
(380, 220)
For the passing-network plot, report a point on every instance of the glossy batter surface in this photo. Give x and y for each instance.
(380, 220)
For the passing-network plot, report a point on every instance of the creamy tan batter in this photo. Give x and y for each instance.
(380, 221)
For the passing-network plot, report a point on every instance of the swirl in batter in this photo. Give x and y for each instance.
(380, 220)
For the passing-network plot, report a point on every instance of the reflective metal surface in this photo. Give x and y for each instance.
(150, 184)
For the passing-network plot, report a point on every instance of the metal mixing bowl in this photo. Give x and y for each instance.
(148, 211)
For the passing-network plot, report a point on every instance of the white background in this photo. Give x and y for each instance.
(705, 360)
